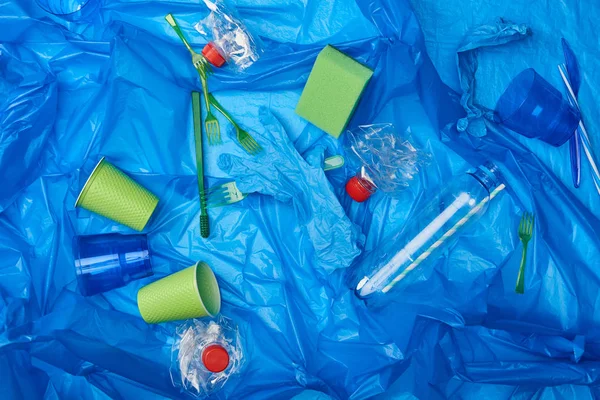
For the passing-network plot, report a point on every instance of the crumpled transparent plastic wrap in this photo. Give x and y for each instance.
(240, 47)
(383, 156)
(191, 338)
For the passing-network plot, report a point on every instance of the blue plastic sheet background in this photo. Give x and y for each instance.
(120, 86)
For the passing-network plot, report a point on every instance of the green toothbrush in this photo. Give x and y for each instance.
(197, 111)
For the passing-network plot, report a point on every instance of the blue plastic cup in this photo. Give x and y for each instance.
(532, 107)
(106, 262)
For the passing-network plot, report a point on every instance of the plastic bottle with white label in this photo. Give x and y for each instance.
(411, 254)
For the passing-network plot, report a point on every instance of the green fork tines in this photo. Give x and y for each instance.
(525, 234)
(246, 140)
(223, 195)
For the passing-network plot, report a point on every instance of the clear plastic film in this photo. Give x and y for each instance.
(188, 354)
(384, 157)
(224, 28)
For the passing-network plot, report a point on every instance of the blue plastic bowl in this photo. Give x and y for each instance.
(106, 262)
(532, 107)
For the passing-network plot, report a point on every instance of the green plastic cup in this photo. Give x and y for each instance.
(190, 293)
(112, 194)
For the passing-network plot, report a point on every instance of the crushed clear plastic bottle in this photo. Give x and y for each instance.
(232, 42)
(384, 160)
(205, 354)
(412, 252)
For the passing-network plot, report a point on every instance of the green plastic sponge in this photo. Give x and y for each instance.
(332, 91)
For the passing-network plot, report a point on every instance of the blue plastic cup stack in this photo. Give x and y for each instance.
(533, 108)
(106, 262)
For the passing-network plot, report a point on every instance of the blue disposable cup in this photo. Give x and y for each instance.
(532, 107)
(106, 262)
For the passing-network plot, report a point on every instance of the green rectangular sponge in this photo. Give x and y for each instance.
(332, 91)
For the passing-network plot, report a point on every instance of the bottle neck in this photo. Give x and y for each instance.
(360, 188)
(488, 175)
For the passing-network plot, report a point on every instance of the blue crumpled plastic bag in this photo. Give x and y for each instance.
(27, 113)
(282, 173)
(498, 34)
(119, 85)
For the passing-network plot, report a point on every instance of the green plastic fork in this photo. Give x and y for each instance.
(525, 234)
(223, 195)
(211, 124)
(197, 59)
(244, 138)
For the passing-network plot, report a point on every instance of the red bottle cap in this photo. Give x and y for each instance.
(212, 54)
(215, 358)
(359, 189)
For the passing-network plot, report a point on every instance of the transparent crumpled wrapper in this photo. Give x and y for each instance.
(191, 338)
(226, 30)
(383, 156)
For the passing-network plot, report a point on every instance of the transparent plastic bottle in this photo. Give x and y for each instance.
(412, 252)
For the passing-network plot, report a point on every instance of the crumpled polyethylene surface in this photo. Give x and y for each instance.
(119, 86)
(27, 117)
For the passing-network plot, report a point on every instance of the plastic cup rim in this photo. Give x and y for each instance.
(516, 109)
(78, 272)
(88, 182)
(198, 290)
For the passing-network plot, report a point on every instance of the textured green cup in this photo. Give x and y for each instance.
(190, 293)
(112, 194)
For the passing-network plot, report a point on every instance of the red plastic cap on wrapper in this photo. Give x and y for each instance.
(359, 189)
(212, 54)
(215, 358)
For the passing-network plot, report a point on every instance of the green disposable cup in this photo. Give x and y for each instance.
(190, 293)
(112, 194)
